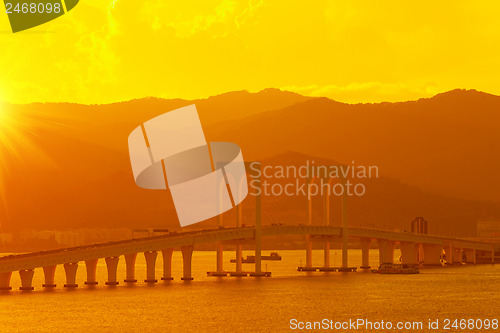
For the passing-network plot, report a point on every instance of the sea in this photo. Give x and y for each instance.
(285, 302)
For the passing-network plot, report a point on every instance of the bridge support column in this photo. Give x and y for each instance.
(130, 263)
(385, 251)
(258, 234)
(91, 266)
(167, 264)
(112, 266)
(470, 256)
(326, 222)
(150, 266)
(220, 257)
(239, 247)
(5, 281)
(308, 251)
(344, 227)
(327, 254)
(26, 279)
(432, 254)
(239, 255)
(420, 254)
(457, 255)
(49, 272)
(365, 252)
(70, 269)
(409, 253)
(309, 222)
(187, 255)
(449, 255)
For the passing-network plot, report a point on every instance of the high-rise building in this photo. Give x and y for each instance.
(419, 226)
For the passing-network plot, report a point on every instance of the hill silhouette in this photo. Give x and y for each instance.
(71, 169)
(446, 144)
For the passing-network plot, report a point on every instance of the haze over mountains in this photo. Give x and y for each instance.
(68, 164)
(446, 144)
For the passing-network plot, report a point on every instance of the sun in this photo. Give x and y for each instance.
(20, 129)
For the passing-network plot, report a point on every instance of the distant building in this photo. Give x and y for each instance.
(419, 226)
(6, 238)
(29, 235)
(101, 235)
(159, 232)
(69, 238)
(62, 237)
(141, 233)
(488, 229)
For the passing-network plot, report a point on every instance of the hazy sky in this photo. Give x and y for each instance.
(351, 51)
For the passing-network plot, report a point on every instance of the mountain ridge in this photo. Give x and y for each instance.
(450, 160)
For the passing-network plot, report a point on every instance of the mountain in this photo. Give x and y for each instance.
(67, 165)
(447, 144)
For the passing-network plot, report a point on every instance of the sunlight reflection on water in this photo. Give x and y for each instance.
(247, 304)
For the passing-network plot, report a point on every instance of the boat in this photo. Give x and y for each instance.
(251, 259)
(396, 269)
(272, 256)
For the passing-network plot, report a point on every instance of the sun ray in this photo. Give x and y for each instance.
(18, 129)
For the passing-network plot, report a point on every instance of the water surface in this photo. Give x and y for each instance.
(210, 304)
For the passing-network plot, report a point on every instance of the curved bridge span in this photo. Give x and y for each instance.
(413, 246)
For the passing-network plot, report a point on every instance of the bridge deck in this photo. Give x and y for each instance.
(175, 240)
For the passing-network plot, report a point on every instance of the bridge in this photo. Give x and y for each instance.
(416, 249)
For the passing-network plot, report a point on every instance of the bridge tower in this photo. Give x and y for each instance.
(322, 173)
(258, 226)
(253, 169)
(419, 226)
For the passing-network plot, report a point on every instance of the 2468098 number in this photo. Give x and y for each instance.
(471, 324)
(33, 8)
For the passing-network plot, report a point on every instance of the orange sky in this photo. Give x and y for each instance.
(355, 51)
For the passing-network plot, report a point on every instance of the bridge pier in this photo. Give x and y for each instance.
(470, 256)
(420, 254)
(385, 251)
(239, 246)
(308, 251)
(309, 222)
(5, 281)
(409, 253)
(220, 262)
(327, 254)
(220, 258)
(326, 222)
(150, 266)
(345, 235)
(112, 266)
(258, 234)
(167, 264)
(457, 255)
(220, 254)
(449, 254)
(239, 255)
(365, 252)
(91, 267)
(187, 255)
(432, 254)
(49, 272)
(70, 269)
(130, 263)
(26, 279)
(239, 269)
